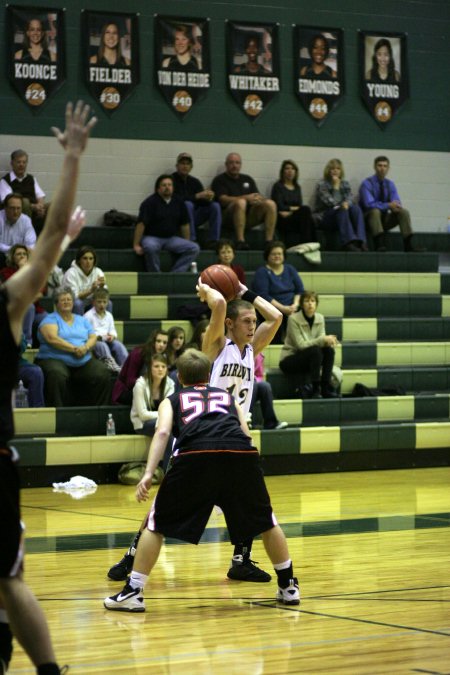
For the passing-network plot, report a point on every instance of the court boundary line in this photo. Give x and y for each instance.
(349, 618)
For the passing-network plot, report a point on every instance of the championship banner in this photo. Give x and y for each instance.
(319, 69)
(182, 61)
(383, 73)
(110, 56)
(253, 65)
(35, 52)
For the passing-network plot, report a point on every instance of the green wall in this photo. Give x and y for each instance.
(422, 124)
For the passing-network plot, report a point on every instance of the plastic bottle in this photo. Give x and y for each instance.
(21, 396)
(110, 425)
(194, 268)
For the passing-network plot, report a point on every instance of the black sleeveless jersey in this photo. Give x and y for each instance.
(9, 365)
(205, 419)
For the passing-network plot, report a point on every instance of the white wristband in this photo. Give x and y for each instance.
(65, 243)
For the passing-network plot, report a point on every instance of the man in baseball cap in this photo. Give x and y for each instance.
(199, 202)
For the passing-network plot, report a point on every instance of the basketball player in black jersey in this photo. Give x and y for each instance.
(213, 462)
(19, 608)
(232, 355)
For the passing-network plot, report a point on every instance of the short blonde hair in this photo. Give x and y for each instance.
(193, 367)
(332, 164)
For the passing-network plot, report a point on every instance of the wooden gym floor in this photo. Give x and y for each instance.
(371, 550)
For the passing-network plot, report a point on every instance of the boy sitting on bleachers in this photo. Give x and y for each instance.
(108, 348)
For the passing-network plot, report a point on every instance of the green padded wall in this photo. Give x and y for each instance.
(147, 116)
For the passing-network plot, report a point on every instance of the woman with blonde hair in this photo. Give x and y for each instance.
(336, 209)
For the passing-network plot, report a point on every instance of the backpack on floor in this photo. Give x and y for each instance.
(360, 390)
(114, 218)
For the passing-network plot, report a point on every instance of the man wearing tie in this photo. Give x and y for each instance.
(380, 202)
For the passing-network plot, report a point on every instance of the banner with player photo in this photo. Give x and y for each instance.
(383, 73)
(319, 69)
(182, 61)
(253, 65)
(110, 56)
(35, 52)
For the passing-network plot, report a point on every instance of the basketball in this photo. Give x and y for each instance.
(223, 279)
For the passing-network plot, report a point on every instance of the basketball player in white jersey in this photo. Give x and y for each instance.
(232, 354)
(232, 357)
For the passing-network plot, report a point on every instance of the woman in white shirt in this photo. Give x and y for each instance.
(148, 392)
(83, 277)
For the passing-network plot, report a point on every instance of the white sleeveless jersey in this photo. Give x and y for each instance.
(235, 373)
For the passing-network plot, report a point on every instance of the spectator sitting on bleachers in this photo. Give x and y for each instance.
(225, 256)
(242, 204)
(163, 224)
(83, 277)
(175, 346)
(54, 281)
(148, 392)
(262, 392)
(308, 349)
(107, 348)
(198, 335)
(279, 283)
(32, 378)
(336, 208)
(383, 209)
(199, 202)
(20, 182)
(295, 222)
(136, 364)
(15, 226)
(16, 258)
(71, 374)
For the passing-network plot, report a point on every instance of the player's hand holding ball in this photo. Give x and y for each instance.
(220, 278)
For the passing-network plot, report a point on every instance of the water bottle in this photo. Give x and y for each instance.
(194, 268)
(110, 425)
(21, 396)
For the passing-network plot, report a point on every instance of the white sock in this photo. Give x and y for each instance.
(138, 580)
(283, 565)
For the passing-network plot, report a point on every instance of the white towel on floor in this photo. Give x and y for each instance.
(77, 487)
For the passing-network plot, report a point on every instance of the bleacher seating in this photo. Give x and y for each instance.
(391, 311)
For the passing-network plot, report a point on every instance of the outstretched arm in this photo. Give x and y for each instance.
(59, 227)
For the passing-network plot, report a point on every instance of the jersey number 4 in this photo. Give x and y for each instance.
(216, 402)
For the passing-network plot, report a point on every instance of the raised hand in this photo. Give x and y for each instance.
(76, 223)
(78, 127)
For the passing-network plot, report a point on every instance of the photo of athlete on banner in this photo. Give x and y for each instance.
(182, 61)
(110, 56)
(319, 69)
(253, 65)
(383, 73)
(36, 52)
